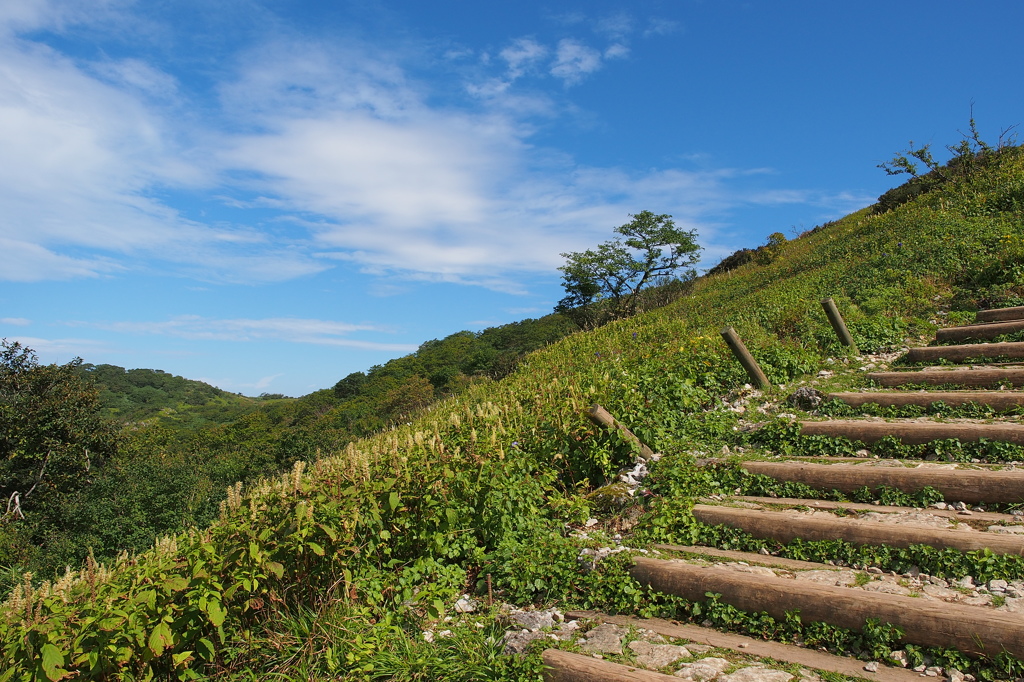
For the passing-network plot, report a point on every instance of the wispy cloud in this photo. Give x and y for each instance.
(16, 321)
(574, 61)
(290, 329)
(62, 348)
(338, 142)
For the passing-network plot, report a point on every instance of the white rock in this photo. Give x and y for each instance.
(754, 674)
(465, 605)
(703, 670)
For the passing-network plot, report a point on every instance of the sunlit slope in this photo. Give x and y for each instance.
(391, 530)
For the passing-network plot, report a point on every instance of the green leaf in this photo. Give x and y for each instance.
(276, 568)
(181, 657)
(175, 584)
(331, 533)
(160, 639)
(147, 597)
(216, 613)
(53, 659)
(393, 501)
(317, 549)
(206, 649)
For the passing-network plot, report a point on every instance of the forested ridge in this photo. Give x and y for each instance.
(165, 448)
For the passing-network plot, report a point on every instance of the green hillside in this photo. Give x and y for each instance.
(336, 569)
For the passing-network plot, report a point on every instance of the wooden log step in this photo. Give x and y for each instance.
(999, 314)
(748, 557)
(982, 378)
(979, 332)
(565, 666)
(987, 518)
(974, 630)
(778, 651)
(786, 526)
(997, 400)
(962, 485)
(913, 433)
(1010, 349)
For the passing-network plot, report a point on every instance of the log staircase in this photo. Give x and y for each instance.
(972, 629)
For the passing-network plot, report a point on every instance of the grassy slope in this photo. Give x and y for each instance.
(336, 569)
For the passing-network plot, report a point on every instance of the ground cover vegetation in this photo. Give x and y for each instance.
(339, 567)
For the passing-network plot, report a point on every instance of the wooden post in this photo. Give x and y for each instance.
(603, 418)
(836, 320)
(745, 358)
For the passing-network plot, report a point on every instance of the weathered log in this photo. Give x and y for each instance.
(982, 378)
(749, 557)
(967, 485)
(836, 320)
(976, 631)
(981, 518)
(997, 400)
(1000, 314)
(603, 418)
(565, 666)
(913, 433)
(749, 646)
(965, 352)
(786, 526)
(979, 332)
(757, 377)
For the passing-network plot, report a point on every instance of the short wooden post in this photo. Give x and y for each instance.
(836, 320)
(745, 358)
(602, 417)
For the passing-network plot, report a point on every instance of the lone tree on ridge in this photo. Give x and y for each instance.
(603, 284)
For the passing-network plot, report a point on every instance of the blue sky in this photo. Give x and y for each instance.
(270, 195)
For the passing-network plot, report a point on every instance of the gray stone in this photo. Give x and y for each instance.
(997, 585)
(534, 620)
(465, 605)
(933, 671)
(871, 667)
(605, 639)
(655, 656)
(1007, 530)
(755, 674)
(699, 648)
(703, 670)
(955, 675)
(519, 642)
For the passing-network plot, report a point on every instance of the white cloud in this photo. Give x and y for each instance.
(82, 159)
(62, 348)
(574, 61)
(615, 26)
(661, 27)
(336, 142)
(616, 51)
(290, 329)
(522, 55)
(16, 321)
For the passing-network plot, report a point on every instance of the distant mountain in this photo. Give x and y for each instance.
(141, 394)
